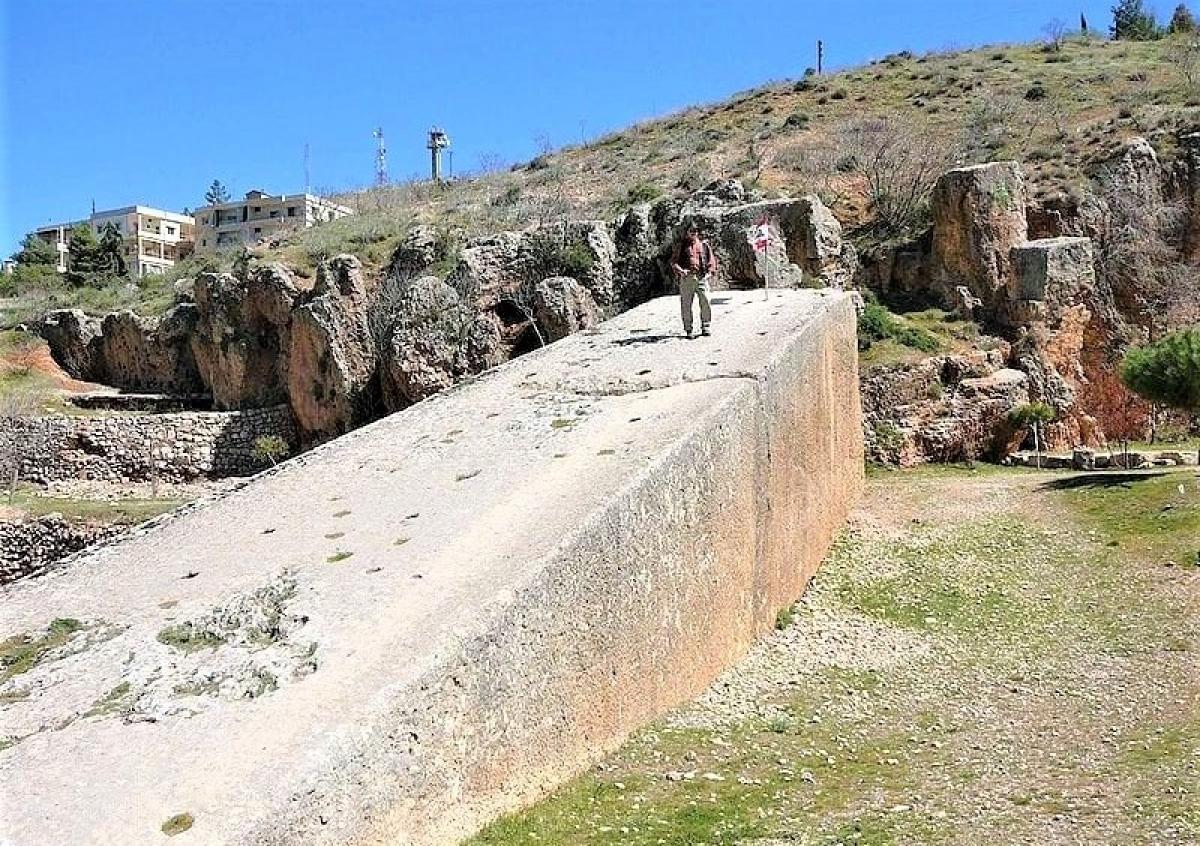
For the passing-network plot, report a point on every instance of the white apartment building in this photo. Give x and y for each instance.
(154, 239)
(260, 215)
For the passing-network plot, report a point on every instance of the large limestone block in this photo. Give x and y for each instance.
(433, 620)
(1058, 270)
(978, 217)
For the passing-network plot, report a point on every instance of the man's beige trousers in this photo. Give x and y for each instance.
(691, 287)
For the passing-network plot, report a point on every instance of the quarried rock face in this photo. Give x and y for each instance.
(242, 337)
(815, 244)
(73, 338)
(947, 408)
(978, 217)
(1057, 271)
(435, 341)
(331, 353)
(144, 354)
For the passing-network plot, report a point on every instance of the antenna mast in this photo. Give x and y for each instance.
(307, 171)
(381, 176)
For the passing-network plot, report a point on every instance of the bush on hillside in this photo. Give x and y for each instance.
(876, 323)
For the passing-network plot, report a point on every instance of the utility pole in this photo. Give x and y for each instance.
(381, 175)
(438, 140)
(820, 56)
(307, 171)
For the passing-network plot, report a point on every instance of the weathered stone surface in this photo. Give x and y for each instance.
(545, 602)
(435, 341)
(242, 335)
(815, 244)
(978, 217)
(331, 353)
(1058, 270)
(73, 338)
(563, 307)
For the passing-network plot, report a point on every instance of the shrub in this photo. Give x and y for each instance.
(644, 192)
(876, 323)
(796, 120)
(270, 449)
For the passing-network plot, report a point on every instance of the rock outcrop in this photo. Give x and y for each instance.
(436, 340)
(947, 408)
(331, 362)
(562, 307)
(243, 333)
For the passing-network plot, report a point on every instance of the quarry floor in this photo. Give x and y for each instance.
(989, 655)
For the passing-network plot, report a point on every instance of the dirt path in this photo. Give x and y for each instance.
(987, 657)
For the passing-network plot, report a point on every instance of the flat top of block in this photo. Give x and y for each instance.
(210, 663)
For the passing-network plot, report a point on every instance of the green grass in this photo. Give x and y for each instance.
(178, 824)
(21, 653)
(188, 637)
(78, 509)
(1151, 515)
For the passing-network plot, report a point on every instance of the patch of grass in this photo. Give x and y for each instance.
(115, 701)
(562, 423)
(1156, 516)
(187, 637)
(340, 555)
(21, 653)
(784, 617)
(178, 824)
(33, 502)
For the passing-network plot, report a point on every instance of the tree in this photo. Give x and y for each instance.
(83, 258)
(109, 251)
(1167, 371)
(35, 252)
(1033, 415)
(1182, 21)
(1056, 33)
(271, 448)
(1132, 21)
(217, 193)
(899, 162)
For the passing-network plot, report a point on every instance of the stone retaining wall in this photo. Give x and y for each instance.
(139, 447)
(30, 547)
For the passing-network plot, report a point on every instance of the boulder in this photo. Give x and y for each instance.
(331, 362)
(978, 217)
(435, 340)
(562, 307)
(815, 244)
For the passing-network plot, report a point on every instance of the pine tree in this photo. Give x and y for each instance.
(1132, 21)
(217, 193)
(109, 251)
(83, 259)
(35, 252)
(1167, 371)
(1182, 21)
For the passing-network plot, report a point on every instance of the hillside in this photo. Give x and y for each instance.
(1058, 111)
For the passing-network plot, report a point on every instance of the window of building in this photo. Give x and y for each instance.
(203, 242)
(258, 208)
(291, 211)
(204, 219)
(257, 230)
(170, 230)
(274, 212)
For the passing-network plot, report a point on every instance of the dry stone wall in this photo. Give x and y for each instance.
(140, 447)
(30, 547)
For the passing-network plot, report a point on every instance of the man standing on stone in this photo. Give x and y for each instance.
(693, 263)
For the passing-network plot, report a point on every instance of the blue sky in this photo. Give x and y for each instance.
(128, 101)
